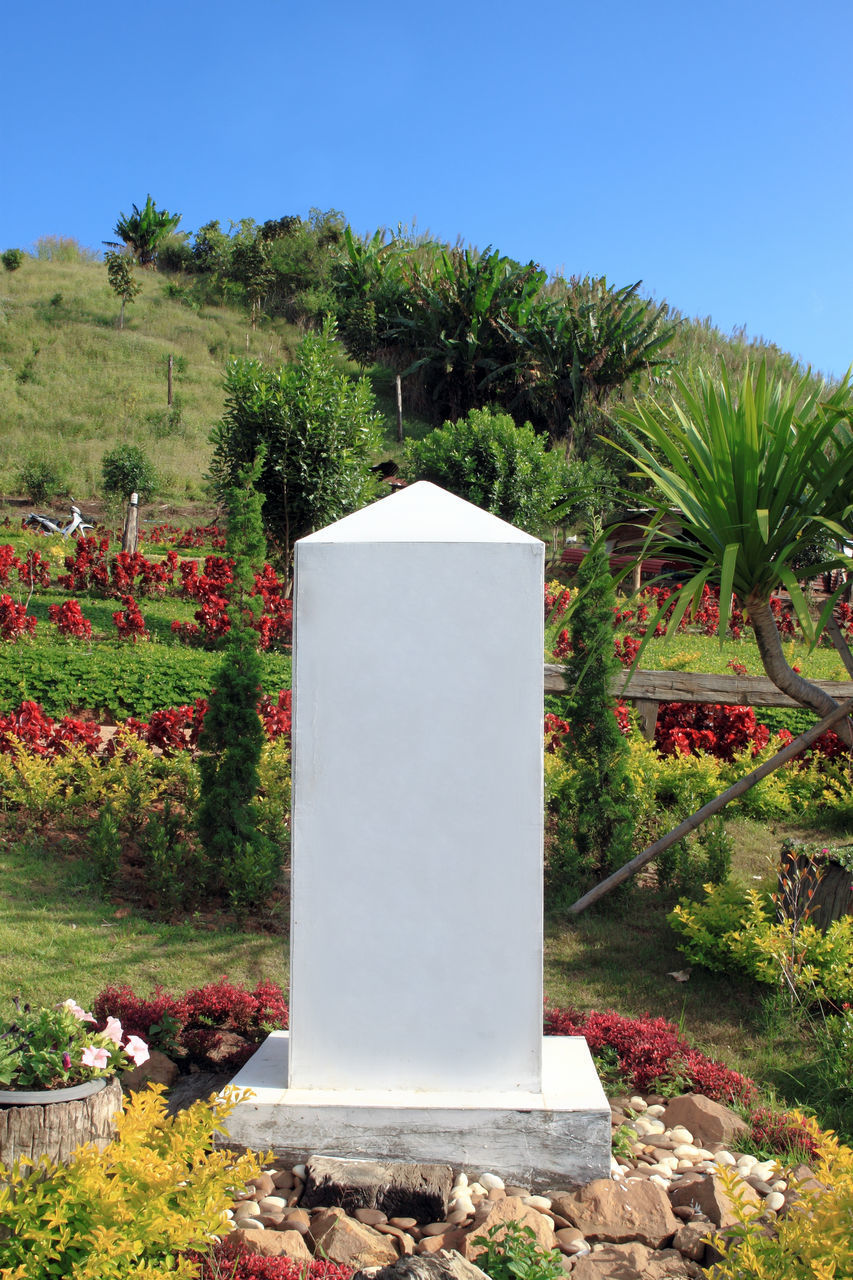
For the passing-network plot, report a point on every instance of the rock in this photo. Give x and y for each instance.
(439, 1266)
(669, 1264)
(419, 1191)
(708, 1195)
(157, 1070)
(343, 1240)
(263, 1185)
(491, 1181)
(569, 1240)
(272, 1204)
(405, 1224)
(511, 1209)
(283, 1180)
(370, 1217)
(452, 1239)
(613, 1262)
(620, 1211)
(690, 1240)
(775, 1201)
(706, 1120)
(297, 1220)
(273, 1244)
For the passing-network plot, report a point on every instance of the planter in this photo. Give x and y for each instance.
(55, 1127)
(42, 1097)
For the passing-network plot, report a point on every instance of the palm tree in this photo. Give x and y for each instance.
(144, 229)
(756, 473)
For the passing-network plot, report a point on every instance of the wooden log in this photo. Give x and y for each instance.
(713, 806)
(813, 892)
(130, 533)
(56, 1129)
(697, 686)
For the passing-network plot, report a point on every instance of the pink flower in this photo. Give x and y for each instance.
(113, 1030)
(137, 1050)
(95, 1057)
(79, 1014)
(66, 1062)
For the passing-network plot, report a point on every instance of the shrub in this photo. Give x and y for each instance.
(509, 1251)
(488, 460)
(157, 1188)
(126, 470)
(41, 478)
(12, 258)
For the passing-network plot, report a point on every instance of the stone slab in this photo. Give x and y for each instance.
(545, 1138)
(419, 1191)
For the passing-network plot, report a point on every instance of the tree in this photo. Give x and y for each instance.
(319, 428)
(122, 282)
(144, 229)
(488, 460)
(756, 473)
(242, 859)
(127, 469)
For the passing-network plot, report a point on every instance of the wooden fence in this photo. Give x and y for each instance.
(647, 689)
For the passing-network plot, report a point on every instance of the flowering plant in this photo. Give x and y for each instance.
(55, 1048)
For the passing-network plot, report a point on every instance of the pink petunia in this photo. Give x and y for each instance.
(137, 1050)
(79, 1013)
(94, 1056)
(113, 1030)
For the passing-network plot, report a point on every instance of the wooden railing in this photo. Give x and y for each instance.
(647, 689)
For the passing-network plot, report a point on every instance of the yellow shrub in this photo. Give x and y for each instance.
(158, 1188)
(814, 1241)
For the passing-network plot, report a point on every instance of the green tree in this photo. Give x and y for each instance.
(12, 258)
(242, 860)
(488, 460)
(319, 428)
(596, 834)
(122, 282)
(756, 472)
(126, 470)
(144, 229)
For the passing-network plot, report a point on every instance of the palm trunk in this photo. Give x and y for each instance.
(777, 669)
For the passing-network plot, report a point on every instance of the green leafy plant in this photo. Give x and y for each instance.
(104, 842)
(488, 460)
(54, 1048)
(145, 229)
(12, 259)
(128, 470)
(41, 477)
(122, 281)
(511, 1252)
(156, 1190)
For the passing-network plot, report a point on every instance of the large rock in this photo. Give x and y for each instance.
(343, 1240)
(613, 1262)
(707, 1195)
(439, 1266)
(707, 1120)
(272, 1244)
(502, 1212)
(616, 1211)
(157, 1070)
(420, 1191)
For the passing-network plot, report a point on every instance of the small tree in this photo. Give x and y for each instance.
(319, 428)
(596, 834)
(126, 470)
(241, 859)
(122, 281)
(144, 229)
(12, 258)
(488, 460)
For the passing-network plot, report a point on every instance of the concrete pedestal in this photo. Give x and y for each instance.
(545, 1138)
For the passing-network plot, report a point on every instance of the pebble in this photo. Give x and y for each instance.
(656, 1110)
(725, 1158)
(491, 1182)
(637, 1103)
(537, 1202)
(774, 1202)
(370, 1217)
(680, 1134)
(271, 1204)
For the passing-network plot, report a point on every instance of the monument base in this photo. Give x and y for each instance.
(549, 1138)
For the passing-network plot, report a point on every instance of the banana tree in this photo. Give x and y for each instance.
(144, 229)
(755, 473)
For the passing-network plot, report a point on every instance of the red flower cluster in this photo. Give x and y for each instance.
(33, 571)
(626, 650)
(129, 621)
(275, 625)
(14, 621)
(557, 600)
(556, 731)
(43, 736)
(172, 729)
(184, 539)
(69, 619)
(232, 1259)
(651, 1050)
(685, 728)
(782, 1132)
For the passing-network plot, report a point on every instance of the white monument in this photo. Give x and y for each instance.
(416, 928)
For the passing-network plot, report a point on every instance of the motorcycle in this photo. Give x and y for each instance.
(46, 526)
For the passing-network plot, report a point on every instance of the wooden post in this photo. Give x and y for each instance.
(130, 534)
(647, 714)
(399, 410)
(169, 382)
(713, 806)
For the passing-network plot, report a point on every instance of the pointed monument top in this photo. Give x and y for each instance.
(422, 512)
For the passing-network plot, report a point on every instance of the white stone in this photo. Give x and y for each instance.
(656, 1110)
(683, 1165)
(774, 1202)
(663, 1170)
(670, 1161)
(271, 1204)
(638, 1104)
(764, 1169)
(779, 1185)
(461, 1179)
(746, 1163)
(492, 1182)
(678, 1133)
(655, 1126)
(299, 1171)
(685, 1151)
(725, 1158)
(248, 1209)
(659, 1181)
(537, 1202)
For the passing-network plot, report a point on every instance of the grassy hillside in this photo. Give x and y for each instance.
(73, 385)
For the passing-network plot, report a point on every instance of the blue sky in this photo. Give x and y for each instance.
(703, 148)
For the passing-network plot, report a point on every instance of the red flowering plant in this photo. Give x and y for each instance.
(38, 733)
(69, 619)
(232, 1259)
(14, 620)
(129, 621)
(686, 728)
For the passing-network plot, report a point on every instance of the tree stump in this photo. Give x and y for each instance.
(57, 1128)
(816, 893)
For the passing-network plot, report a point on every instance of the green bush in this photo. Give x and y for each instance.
(12, 259)
(486, 459)
(42, 478)
(128, 470)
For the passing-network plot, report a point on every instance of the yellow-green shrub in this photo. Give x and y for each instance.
(814, 1241)
(158, 1188)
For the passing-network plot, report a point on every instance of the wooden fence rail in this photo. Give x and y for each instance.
(647, 689)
